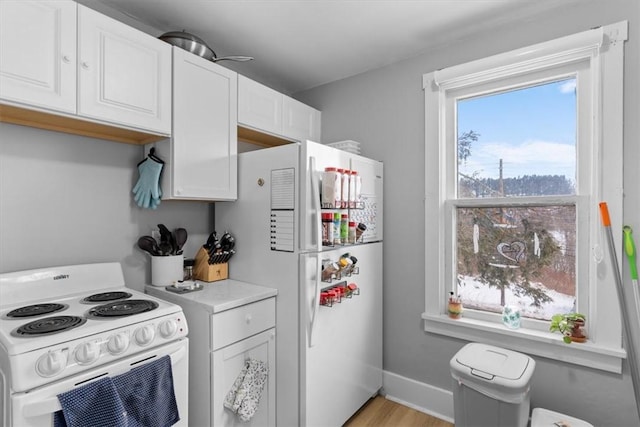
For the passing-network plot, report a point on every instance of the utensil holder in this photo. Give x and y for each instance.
(166, 270)
(206, 272)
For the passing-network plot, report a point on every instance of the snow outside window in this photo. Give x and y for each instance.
(512, 198)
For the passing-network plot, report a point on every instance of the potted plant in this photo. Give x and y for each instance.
(570, 326)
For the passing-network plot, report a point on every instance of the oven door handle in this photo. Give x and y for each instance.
(52, 404)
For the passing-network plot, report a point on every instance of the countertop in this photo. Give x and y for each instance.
(216, 297)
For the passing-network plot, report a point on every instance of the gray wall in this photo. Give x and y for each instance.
(66, 199)
(384, 109)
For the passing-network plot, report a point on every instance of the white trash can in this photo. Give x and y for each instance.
(491, 386)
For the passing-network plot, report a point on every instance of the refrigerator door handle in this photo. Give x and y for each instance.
(317, 205)
(315, 301)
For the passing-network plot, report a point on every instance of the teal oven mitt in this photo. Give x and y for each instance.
(147, 189)
(155, 202)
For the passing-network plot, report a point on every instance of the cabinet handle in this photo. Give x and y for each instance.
(66, 59)
(248, 318)
(85, 65)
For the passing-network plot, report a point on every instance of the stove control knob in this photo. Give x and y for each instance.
(168, 328)
(51, 363)
(87, 353)
(118, 343)
(144, 335)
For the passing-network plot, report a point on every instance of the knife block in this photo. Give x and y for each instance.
(206, 272)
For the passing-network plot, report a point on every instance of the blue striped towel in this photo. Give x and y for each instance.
(142, 397)
(147, 394)
(96, 404)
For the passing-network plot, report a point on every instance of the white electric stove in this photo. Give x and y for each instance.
(62, 327)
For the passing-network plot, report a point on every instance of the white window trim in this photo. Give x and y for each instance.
(603, 47)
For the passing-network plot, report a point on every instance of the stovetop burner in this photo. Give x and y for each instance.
(36, 310)
(123, 308)
(107, 296)
(49, 325)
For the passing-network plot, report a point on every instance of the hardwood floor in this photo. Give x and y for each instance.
(381, 412)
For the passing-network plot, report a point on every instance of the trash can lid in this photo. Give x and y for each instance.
(493, 371)
(546, 418)
(487, 362)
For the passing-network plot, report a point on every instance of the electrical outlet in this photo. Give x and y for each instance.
(155, 233)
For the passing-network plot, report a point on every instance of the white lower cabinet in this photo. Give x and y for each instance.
(229, 322)
(228, 362)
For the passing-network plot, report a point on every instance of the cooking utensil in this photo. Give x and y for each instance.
(180, 235)
(167, 240)
(197, 46)
(212, 242)
(227, 241)
(149, 245)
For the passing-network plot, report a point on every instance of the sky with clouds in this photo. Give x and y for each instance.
(533, 131)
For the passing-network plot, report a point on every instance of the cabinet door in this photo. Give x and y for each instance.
(38, 53)
(259, 107)
(124, 74)
(204, 161)
(226, 366)
(300, 122)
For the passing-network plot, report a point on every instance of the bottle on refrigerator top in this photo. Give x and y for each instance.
(336, 229)
(331, 188)
(345, 188)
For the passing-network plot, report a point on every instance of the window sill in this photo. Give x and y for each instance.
(528, 341)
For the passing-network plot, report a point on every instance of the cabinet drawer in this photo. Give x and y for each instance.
(236, 324)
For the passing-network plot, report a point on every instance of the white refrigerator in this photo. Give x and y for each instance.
(328, 351)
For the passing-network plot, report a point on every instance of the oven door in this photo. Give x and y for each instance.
(36, 407)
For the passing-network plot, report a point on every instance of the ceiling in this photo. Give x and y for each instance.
(300, 44)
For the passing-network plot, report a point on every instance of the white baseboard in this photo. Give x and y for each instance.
(419, 396)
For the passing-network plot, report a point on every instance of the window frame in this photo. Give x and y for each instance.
(595, 57)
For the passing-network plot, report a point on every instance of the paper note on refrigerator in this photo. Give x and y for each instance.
(282, 209)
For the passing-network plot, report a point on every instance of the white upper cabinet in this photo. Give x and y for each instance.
(38, 54)
(124, 74)
(264, 109)
(259, 106)
(300, 122)
(201, 157)
(66, 67)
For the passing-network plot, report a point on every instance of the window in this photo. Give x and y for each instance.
(514, 193)
(507, 253)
